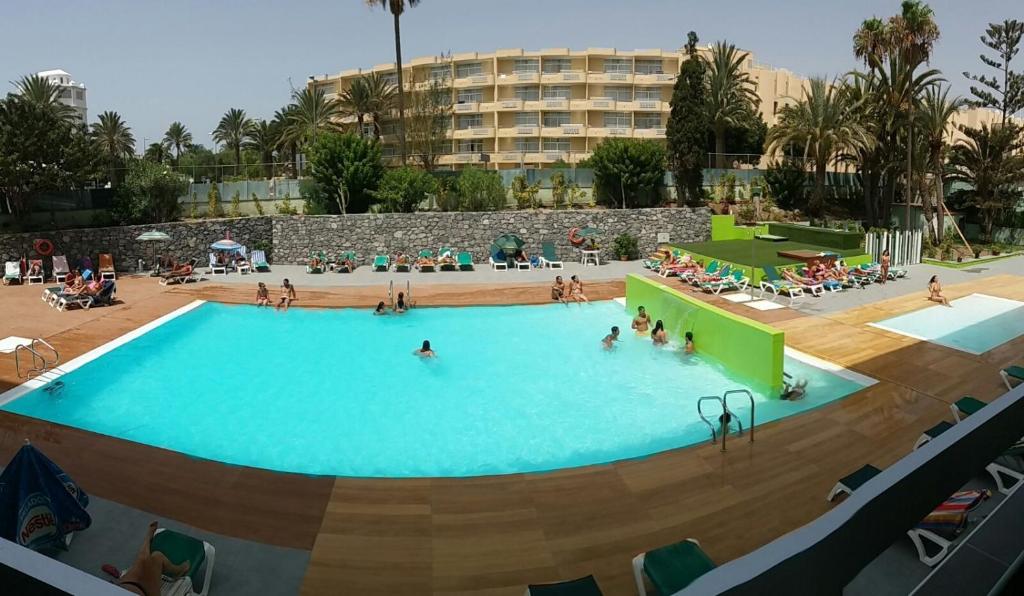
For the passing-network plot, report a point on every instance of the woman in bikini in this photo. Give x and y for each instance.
(262, 295)
(576, 289)
(658, 336)
(400, 306)
(886, 260)
(144, 576)
(935, 292)
(380, 310)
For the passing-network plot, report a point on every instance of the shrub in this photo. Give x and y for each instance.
(480, 190)
(404, 189)
(446, 195)
(193, 210)
(256, 203)
(236, 205)
(559, 190)
(347, 168)
(213, 201)
(148, 194)
(628, 172)
(313, 200)
(786, 182)
(285, 207)
(525, 194)
(575, 195)
(626, 246)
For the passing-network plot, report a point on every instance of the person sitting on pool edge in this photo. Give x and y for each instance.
(658, 336)
(399, 306)
(576, 289)
(641, 322)
(690, 348)
(380, 310)
(287, 294)
(424, 351)
(609, 340)
(262, 295)
(558, 290)
(935, 292)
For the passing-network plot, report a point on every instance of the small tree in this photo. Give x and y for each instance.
(285, 207)
(428, 119)
(559, 190)
(688, 127)
(480, 190)
(149, 194)
(213, 201)
(236, 205)
(575, 195)
(786, 182)
(347, 169)
(1006, 95)
(193, 211)
(628, 173)
(525, 194)
(402, 190)
(257, 204)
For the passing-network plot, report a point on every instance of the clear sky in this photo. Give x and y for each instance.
(190, 60)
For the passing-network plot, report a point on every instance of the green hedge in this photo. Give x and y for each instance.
(818, 236)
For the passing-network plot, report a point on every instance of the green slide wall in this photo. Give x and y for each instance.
(751, 349)
(818, 236)
(723, 227)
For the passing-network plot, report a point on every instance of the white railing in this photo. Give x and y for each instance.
(904, 246)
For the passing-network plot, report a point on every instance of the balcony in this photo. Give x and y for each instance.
(456, 158)
(601, 104)
(594, 131)
(519, 131)
(565, 130)
(654, 79)
(649, 133)
(610, 77)
(554, 103)
(474, 133)
(547, 156)
(508, 157)
(532, 105)
(648, 105)
(466, 107)
(518, 78)
(566, 76)
(504, 105)
(478, 80)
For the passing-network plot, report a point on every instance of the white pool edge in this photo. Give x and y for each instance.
(61, 370)
(839, 371)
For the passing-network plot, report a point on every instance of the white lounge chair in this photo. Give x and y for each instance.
(60, 268)
(216, 267)
(258, 260)
(549, 257)
(178, 547)
(38, 277)
(497, 265)
(12, 272)
(1012, 372)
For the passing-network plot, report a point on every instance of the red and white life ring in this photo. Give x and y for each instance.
(43, 246)
(573, 238)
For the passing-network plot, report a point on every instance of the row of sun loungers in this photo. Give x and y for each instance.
(58, 298)
(35, 272)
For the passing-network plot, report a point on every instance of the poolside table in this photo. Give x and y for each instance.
(809, 257)
(586, 256)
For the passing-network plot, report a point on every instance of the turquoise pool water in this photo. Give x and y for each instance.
(976, 323)
(514, 389)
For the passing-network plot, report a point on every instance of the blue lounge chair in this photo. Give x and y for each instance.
(381, 263)
(671, 568)
(776, 286)
(464, 261)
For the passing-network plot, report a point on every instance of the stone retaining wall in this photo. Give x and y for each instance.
(290, 239)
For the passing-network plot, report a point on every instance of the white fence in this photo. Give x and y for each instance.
(904, 247)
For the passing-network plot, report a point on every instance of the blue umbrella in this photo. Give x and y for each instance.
(226, 244)
(39, 503)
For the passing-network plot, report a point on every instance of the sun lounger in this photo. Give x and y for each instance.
(584, 586)
(425, 261)
(60, 268)
(498, 262)
(775, 285)
(381, 263)
(549, 256)
(320, 267)
(402, 264)
(258, 260)
(1012, 372)
(671, 568)
(931, 433)
(12, 272)
(106, 269)
(1007, 470)
(181, 275)
(850, 483)
(104, 297)
(522, 265)
(942, 525)
(216, 267)
(965, 406)
(736, 281)
(35, 273)
(346, 262)
(686, 268)
(178, 548)
(446, 260)
(816, 289)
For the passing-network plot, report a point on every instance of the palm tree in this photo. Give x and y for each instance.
(313, 112)
(731, 93)
(383, 95)
(177, 138)
(156, 152)
(114, 140)
(871, 42)
(263, 138)
(231, 131)
(397, 7)
(934, 120)
(286, 142)
(43, 92)
(990, 161)
(825, 124)
(356, 101)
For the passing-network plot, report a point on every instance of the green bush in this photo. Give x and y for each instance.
(236, 205)
(403, 190)
(148, 194)
(628, 173)
(626, 246)
(347, 169)
(193, 210)
(559, 190)
(213, 201)
(285, 207)
(787, 183)
(256, 203)
(525, 194)
(480, 190)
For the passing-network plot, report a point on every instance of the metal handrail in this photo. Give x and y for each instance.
(408, 292)
(35, 355)
(700, 412)
(56, 354)
(750, 396)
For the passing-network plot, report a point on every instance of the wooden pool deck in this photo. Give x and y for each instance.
(493, 535)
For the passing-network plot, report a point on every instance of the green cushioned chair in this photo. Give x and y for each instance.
(932, 432)
(848, 484)
(966, 406)
(381, 263)
(178, 548)
(1012, 372)
(671, 568)
(584, 586)
(465, 261)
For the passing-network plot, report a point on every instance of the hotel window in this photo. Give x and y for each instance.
(617, 120)
(79, 94)
(647, 94)
(527, 145)
(552, 119)
(556, 65)
(618, 93)
(388, 151)
(527, 119)
(470, 95)
(556, 144)
(388, 128)
(531, 93)
(471, 146)
(647, 120)
(440, 73)
(525, 65)
(468, 121)
(621, 65)
(649, 66)
(557, 92)
(65, 94)
(468, 69)
(368, 129)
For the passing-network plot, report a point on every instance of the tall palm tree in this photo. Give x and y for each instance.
(990, 161)
(177, 138)
(731, 93)
(286, 142)
(156, 152)
(43, 92)
(871, 42)
(935, 119)
(397, 7)
(383, 95)
(231, 131)
(113, 138)
(825, 125)
(357, 102)
(313, 113)
(263, 138)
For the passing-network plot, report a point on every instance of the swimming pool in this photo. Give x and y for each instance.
(976, 323)
(338, 392)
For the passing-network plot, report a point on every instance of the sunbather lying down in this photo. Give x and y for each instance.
(143, 577)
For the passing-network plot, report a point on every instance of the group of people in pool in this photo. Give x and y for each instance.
(642, 326)
(560, 292)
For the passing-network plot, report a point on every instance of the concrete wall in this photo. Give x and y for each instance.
(290, 239)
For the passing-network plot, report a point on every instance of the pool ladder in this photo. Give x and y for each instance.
(40, 364)
(723, 401)
(408, 292)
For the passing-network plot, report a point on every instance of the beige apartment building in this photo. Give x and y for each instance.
(517, 108)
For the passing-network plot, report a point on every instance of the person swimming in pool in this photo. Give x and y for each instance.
(690, 347)
(400, 306)
(609, 340)
(641, 322)
(792, 391)
(425, 351)
(381, 309)
(658, 336)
